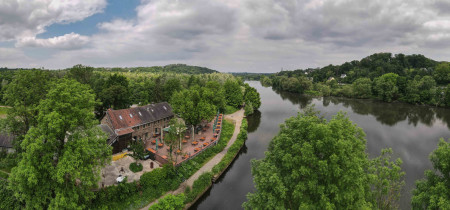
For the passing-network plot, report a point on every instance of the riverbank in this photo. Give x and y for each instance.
(237, 118)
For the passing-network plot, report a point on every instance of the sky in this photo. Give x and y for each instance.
(225, 35)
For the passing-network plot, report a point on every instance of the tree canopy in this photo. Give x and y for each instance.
(433, 192)
(317, 164)
(64, 152)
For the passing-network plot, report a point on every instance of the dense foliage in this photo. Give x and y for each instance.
(170, 202)
(410, 78)
(317, 164)
(136, 167)
(433, 192)
(64, 153)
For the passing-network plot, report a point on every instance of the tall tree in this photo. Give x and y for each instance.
(233, 93)
(115, 92)
(192, 106)
(23, 94)
(82, 74)
(316, 164)
(251, 96)
(64, 153)
(386, 87)
(433, 192)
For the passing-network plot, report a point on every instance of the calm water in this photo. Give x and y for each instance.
(411, 131)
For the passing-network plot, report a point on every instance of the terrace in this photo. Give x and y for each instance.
(190, 145)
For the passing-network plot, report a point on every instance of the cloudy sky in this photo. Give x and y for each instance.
(226, 35)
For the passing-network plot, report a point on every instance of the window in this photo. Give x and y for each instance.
(165, 108)
(140, 114)
(120, 116)
(131, 115)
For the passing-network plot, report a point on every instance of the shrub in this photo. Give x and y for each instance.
(203, 182)
(171, 202)
(136, 167)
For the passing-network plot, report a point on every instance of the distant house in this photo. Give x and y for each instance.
(6, 142)
(343, 76)
(330, 78)
(136, 123)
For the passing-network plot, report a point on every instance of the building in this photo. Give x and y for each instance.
(6, 142)
(136, 123)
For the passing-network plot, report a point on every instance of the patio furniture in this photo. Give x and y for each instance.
(184, 141)
(153, 141)
(163, 156)
(202, 139)
(194, 143)
(205, 144)
(187, 137)
(213, 139)
(197, 149)
(178, 152)
(160, 144)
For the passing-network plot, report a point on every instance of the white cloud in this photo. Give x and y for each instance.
(249, 35)
(67, 42)
(24, 18)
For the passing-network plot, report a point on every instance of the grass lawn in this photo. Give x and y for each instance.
(230, 110)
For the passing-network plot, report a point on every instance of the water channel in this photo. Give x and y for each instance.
(411, 131)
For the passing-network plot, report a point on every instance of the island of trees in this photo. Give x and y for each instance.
(413, 79)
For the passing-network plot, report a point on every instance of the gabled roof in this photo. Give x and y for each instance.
(128, 118)
(6, 140)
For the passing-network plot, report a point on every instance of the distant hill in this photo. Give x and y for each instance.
(172, 68)
(371, 66)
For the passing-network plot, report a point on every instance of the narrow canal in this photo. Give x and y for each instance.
(411, 131)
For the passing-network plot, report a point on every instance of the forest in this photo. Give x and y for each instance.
(412, 79)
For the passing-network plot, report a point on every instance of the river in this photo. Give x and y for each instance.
(411, 131)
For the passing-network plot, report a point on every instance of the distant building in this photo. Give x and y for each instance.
(136, 123)
(6, 142)
(330, 78)
(343, 76)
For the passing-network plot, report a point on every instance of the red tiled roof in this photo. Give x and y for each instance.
(128, 118)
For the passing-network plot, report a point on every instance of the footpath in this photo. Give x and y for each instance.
(237, 119)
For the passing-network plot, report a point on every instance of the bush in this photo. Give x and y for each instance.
(170, 202)
(230, 109)
(203, 182)
(136, 167)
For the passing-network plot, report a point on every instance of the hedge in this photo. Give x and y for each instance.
(233, 150)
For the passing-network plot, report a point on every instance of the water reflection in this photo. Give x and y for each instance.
(253, 121)
(385, 113)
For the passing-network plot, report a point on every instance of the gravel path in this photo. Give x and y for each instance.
(237, 119)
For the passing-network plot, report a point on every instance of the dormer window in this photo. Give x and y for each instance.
(120, 116)
(140, 114)
(131, 115)
(165, 108)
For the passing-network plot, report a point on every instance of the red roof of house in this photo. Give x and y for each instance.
(128, 118)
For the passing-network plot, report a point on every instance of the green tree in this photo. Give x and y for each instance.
(173, 137)
(82, 74)
(215, 94)
(138, 149)
(64, 153)
(170, 202)
(313, 163)
(387, 180)
(433, 192)
(192, 106)
(362, 88)
(23, 94)
(115, 92)
(386, 87)
(251, 95)
(442, 73)
(171, 86)
(233, 93)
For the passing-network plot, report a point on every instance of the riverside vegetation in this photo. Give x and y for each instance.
(413, 79)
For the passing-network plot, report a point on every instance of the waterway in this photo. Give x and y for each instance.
(411, 131)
